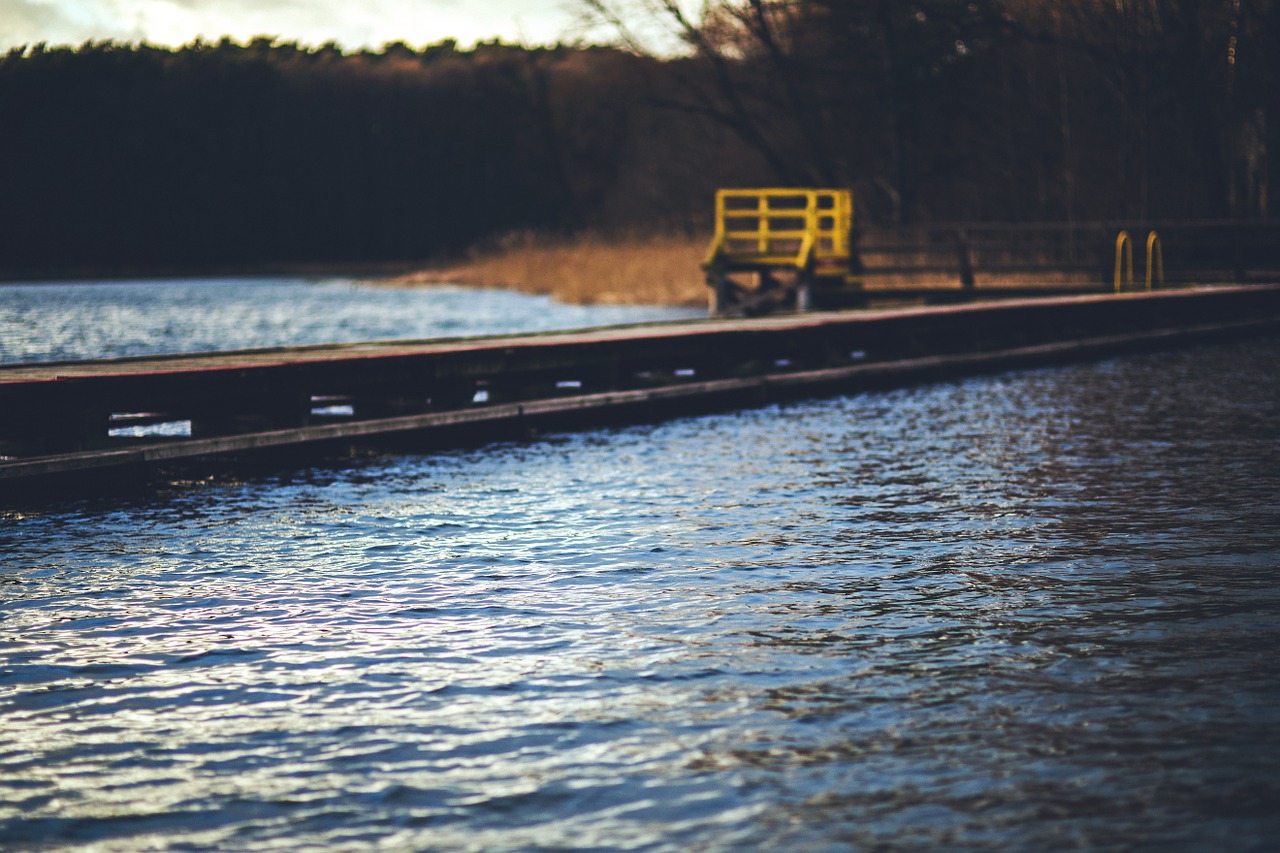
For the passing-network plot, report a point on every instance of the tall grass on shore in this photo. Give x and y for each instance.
(584, 269)
(665, 269)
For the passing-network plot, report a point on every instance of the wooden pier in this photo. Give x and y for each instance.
(69, 423)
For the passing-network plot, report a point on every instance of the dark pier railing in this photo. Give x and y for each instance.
(1081, 255)
(940, 263)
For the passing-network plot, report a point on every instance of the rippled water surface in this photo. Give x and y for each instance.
(59, 322)
(1032, 611)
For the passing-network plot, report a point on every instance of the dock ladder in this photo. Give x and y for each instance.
(1123, 275)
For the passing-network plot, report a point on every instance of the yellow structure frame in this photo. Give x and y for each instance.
(799, 229)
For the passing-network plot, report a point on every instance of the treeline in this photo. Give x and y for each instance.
(122, 158)
(1003, 109)
(228, 154)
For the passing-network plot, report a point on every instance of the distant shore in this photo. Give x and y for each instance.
(371, 271)
(583, 270)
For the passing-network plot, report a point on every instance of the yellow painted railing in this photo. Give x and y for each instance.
(789, 228)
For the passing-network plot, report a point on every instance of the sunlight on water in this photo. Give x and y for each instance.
(1036, 610)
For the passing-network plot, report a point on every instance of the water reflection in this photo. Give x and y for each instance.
(1035, 610)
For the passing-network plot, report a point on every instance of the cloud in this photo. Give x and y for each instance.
(369, 23)
(31, 21)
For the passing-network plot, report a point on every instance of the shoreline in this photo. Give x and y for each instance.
(581, 270)
(372, 272)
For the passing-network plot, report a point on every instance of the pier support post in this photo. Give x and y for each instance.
(967, 281)
(804, 290)
(63, 430)
(720, 295)
(253, 415)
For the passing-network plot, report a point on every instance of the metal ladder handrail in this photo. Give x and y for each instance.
(1124, 261)
(1155, 252)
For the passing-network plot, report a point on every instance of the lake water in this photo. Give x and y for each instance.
(59, 322)
(1035, 610)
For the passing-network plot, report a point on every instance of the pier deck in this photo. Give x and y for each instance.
(72, 421)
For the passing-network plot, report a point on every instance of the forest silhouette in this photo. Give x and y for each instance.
(135, 159)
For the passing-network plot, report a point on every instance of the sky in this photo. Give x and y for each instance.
(354, 24)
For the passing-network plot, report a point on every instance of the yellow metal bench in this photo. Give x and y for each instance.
(801, 232)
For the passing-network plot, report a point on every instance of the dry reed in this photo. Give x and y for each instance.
(590, 269)
(586, 269)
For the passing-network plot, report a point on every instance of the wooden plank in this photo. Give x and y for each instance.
(772, 385)
(211, 364)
